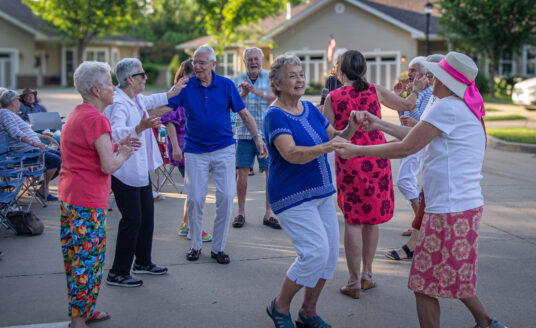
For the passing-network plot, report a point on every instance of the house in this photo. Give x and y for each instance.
(32, 55)
(389, 33)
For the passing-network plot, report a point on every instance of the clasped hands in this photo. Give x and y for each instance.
(365, 120)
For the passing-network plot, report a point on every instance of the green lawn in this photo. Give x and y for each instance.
(521, 135)
(504, 118)
(498, 99)
(491, 109)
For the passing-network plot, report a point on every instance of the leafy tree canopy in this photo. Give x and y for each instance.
(80, 21)
(489, 28)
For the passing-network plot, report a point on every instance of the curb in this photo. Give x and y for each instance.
(511, 146)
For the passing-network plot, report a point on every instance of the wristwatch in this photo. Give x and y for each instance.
(257, 135)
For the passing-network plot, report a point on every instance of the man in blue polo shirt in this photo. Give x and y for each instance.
(209, 147)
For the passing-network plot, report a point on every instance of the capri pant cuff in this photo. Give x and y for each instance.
(314, 230)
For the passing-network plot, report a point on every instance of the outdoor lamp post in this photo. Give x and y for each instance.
(427, 10)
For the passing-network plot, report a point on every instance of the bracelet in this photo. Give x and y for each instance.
(257, 135)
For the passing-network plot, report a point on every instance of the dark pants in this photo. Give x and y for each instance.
(135, 235)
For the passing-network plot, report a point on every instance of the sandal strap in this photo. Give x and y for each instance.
(313, 322)
(406, 250)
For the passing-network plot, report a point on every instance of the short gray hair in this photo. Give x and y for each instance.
(88, 75)
(419, 60)
(435, 58)
(276, 70)
(206, 49)
(125, 68)
(245, 53)
(7, 97)
(2, 90)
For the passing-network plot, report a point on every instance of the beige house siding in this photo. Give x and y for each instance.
(352, 29)
(22, 43)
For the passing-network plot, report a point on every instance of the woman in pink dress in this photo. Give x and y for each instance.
(364, 184)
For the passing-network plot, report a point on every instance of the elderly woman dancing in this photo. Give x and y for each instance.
(364, 184)
(89, 158)
(298, 138)
(445, 259)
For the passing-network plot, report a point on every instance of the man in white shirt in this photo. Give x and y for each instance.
(131, 183)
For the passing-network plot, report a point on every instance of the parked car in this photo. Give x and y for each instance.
(524, 93)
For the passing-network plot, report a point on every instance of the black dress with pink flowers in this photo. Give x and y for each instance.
(364, 184)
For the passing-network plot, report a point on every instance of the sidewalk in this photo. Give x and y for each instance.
(206, 294)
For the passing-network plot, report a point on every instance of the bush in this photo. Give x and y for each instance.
(152, 71)
(482, 82)
(505, 84)
(314, 89)
(173, 67)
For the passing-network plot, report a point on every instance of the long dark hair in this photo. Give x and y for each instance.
(354, 66)
(186, 68)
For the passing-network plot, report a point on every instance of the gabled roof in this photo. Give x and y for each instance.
(20, 15)
(408, 15)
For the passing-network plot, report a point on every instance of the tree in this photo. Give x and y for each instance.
(232, 21)
(80, 21)
(489, 28)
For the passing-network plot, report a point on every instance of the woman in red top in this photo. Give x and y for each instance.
(364, 184)
(84, 189)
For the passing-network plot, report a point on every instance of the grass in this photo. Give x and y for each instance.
(521, 135)
(504, 117)
(498, 99)
(492, 109)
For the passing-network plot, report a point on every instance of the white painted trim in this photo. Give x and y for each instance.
(15, 63)
(114, 51)
(64, 50)
(42, 70)
(308, 53)
(524, 60)
(98, 49)
(37, 34)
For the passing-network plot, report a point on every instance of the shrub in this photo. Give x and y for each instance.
(314, 89)
(152, 71)
(482, 82)
(505, 84)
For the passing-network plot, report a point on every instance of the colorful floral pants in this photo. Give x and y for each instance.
(83, 245)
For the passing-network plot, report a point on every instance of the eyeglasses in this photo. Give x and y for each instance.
(200, 63)
(142, 74)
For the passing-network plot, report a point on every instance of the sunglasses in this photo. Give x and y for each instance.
(142, 74)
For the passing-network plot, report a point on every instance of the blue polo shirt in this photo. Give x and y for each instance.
(208, 123)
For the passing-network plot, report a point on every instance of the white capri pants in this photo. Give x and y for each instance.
(314, 230)
(221, 163)
(406, 179)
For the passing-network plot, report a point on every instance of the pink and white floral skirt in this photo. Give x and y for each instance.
(445, 262)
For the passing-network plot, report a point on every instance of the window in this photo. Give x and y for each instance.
(226, 64)
(314, 65)
(96, 54)
(529, 60)
(507, 65)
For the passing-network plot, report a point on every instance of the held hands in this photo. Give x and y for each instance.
(368, 121)
(335, 141)
(181, 84)
(147, 122)
(353, 122)
(408, 121)
(345, 149)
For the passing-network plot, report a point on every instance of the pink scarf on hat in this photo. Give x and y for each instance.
(472, 96)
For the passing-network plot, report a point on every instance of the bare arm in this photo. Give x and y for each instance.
(395, 102)
(417, 138)
(250, 124)
(350, 129)
(300, 154)
(109, 162)
(172, 133)
(159, 111)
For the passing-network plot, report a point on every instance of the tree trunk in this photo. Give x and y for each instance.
(81, 47)
(492, 70)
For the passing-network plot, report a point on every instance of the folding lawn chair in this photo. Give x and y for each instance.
(10, 182)
(45, 120)
(164, 173)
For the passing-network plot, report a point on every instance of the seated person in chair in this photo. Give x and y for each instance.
(22, 139)
(30, 104)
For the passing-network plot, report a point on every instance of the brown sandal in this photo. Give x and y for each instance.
(367, 283)
(354, 293)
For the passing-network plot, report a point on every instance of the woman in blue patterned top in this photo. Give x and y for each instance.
(300, 190)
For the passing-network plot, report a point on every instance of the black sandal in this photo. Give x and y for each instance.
(193, 254)
(393, 254)
(271, 222)
(220, 257)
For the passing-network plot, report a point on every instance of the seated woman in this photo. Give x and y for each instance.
(22, 139)
(30, 104)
